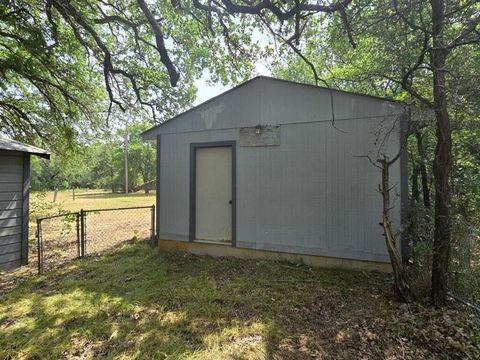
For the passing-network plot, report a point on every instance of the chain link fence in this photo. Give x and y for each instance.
(62, 238)
(464, 276)
(58, 240)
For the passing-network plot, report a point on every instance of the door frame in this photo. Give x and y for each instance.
(193, 185)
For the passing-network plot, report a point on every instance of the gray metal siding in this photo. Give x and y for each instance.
(271, 102)
(11, 207)
(313, 194)
(309, 195)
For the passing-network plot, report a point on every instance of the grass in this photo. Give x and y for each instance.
(139, 303)
(105, 229)
(87, 199)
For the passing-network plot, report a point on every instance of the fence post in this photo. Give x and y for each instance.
(39, 247)
(79, 243)
(152, 234)
(82, 233)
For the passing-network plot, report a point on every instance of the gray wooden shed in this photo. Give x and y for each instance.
(14, 197)
(263, 170)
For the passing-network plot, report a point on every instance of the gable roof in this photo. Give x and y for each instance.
(13, 145)
(262, 77)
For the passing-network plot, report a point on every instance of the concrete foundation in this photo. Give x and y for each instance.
(226, 250)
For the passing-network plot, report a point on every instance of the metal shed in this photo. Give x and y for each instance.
(276, 168)
(14, 200)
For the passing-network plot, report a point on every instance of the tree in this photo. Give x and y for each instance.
(100, 162)
(106, 159)
(141, 154)
(64, 64)
(60, 172)
(404, 50)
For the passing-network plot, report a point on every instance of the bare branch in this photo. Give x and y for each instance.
(469, 28)
(164, 57)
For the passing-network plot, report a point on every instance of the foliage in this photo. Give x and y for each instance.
(387, 51)
(41, 206)
(65, 63)
(142, 155)
(99, 163)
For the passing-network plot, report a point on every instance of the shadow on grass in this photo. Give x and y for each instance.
(142, 303)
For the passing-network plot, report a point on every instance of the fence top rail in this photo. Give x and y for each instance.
(120, 208)
(94, 210)
(57, 216)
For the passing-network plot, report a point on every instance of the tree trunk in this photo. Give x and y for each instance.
(401, 285)
(423, 171)
(415, 191)
(442, 162)
(414, 233)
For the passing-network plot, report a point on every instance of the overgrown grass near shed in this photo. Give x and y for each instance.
(142, 303)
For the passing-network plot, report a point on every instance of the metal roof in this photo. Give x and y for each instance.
(13, 145)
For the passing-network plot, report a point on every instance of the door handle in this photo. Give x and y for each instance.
(230, 202)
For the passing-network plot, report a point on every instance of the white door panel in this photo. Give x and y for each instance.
(213, 211)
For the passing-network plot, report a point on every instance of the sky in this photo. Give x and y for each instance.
(206, 91)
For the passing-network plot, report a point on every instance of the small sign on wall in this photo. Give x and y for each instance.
(260, 135)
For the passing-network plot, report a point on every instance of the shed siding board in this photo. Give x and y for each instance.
(309, 195)
(11, 207)
(10, 257)
(7, 187)
(10, 239)
(14, 230)
(11, 248)
(228, 111)
(271, 102)
(10, 195)
(10, 214)
(9, 155)
(25, 207)
(14, 221)
(13, 177)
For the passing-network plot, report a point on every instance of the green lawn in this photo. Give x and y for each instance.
(142, 303)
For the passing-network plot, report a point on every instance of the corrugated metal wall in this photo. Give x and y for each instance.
(311, 194)
(11, 208)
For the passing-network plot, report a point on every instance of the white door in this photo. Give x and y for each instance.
(213, 213)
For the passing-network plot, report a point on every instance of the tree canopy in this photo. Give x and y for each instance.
(65, 64)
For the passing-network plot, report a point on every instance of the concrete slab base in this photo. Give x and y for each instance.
(226, 250)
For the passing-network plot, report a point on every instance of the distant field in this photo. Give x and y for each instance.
(42, 203)
(104, 230)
